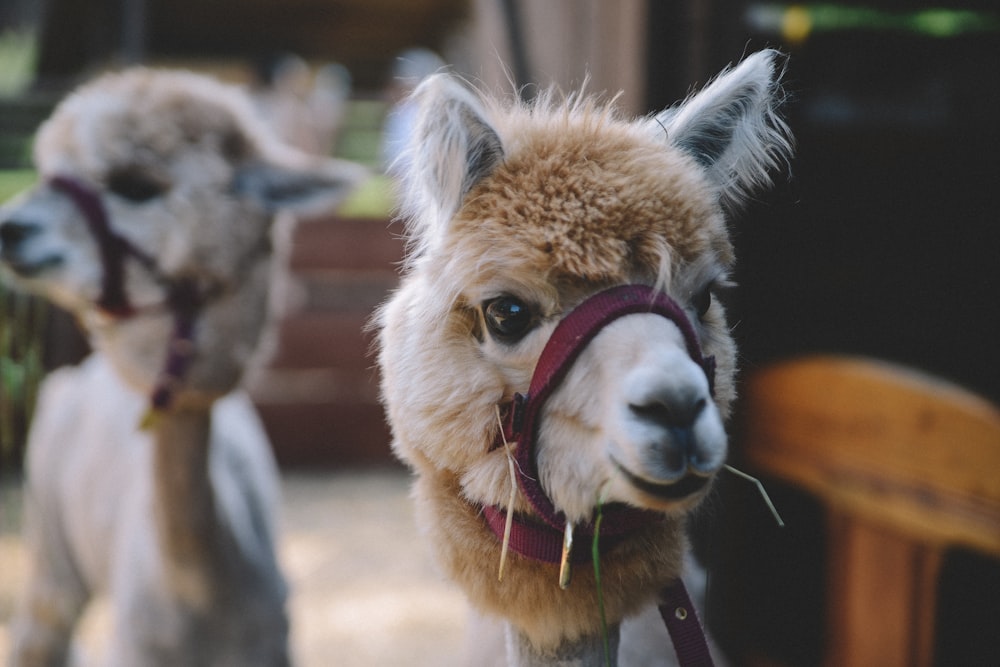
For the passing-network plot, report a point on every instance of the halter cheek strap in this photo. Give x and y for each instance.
(183, 296)
(113, 247)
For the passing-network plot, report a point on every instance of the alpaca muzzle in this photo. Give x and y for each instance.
(568, 340)
(552, 540)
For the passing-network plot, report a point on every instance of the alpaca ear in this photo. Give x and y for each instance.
(732, 128)
(305, 188)
(452, 148)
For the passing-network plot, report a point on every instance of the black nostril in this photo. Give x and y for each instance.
(678, 412)
(13, 232)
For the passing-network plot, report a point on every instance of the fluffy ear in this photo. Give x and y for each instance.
(304, 189)
(732, 128)
(452, 147)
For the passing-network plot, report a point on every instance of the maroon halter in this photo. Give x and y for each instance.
(571, 335)
(113, 247)
(543, 540)
(183, 297)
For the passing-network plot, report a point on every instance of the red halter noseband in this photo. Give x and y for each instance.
(543, 541)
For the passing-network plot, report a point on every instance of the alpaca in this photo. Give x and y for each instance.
(563, 272)
(151, 224)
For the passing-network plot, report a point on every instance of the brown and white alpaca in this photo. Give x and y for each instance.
(518, 214)
(151, 223)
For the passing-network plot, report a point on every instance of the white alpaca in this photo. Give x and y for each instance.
(151, 223)
(521, 218)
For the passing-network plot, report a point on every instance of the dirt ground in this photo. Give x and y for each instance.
(364, 592)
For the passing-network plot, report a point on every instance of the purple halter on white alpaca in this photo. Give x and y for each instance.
(113, 247)
(183, 297)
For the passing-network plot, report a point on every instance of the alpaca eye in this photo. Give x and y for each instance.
(135, 185)
(702, 301)
(507, 318)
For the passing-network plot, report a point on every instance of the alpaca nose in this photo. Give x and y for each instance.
(675, 414)
(671, 410)
(14, 232)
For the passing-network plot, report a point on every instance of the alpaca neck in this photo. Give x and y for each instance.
(188, 526)
(584, 652)
(529, 596)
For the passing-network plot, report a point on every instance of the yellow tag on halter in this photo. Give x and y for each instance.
(564, 565)
(149, 419)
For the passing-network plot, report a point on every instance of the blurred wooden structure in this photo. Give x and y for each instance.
(906, 467)
(493, 41)
(363, 35)
(562, 43)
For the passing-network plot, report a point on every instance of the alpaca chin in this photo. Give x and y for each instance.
(529, 596)
(136, 347)
(677, 497)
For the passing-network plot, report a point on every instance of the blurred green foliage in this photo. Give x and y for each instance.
(22, 323)
(13, 181)
(18, 50)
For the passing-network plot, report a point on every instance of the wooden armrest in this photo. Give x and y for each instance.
(881, 442)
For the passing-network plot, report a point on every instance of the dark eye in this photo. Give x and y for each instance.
(702, 301)
(508, 318)
(135, 184)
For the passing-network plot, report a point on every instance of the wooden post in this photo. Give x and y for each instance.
(882, 590)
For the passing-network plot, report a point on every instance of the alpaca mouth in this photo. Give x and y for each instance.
(678, 489)
(30, 269)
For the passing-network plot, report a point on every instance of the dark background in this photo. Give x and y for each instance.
(883, 241)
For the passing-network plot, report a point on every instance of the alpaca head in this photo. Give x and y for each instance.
(517, 214)
(185, 182)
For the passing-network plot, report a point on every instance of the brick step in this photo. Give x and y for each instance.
(345, 244)
(318, 391)
(313, 385)
(339, 291)
(328, 434)
(323, 340)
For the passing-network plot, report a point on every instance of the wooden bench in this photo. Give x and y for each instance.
(907, 466)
